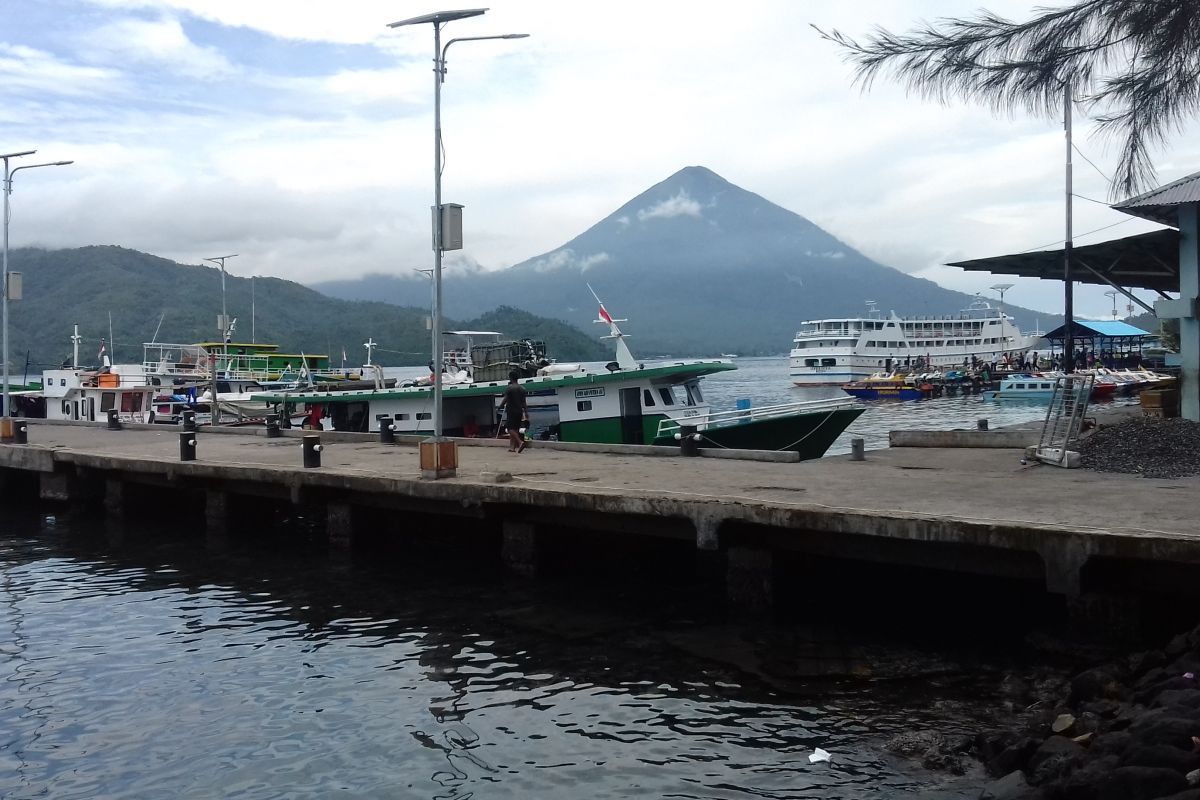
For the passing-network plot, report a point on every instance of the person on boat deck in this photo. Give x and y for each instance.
(470, 428)
(514, 406)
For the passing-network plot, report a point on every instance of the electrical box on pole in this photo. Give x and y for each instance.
(15, 285)
(452, 238)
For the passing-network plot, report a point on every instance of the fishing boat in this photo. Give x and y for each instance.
(883, 386)
(87, 395)
(832, 352)
(626, 402)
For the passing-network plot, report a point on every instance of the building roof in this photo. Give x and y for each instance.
(1145, 261)
(1106, 328)
(1162, 204)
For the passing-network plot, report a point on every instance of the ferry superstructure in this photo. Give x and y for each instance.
(831, 352)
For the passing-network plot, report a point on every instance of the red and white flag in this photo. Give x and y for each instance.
(604, 315)
(100, 355)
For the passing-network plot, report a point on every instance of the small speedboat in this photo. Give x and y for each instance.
(887, 387)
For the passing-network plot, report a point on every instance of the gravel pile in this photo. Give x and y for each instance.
(1155, 447)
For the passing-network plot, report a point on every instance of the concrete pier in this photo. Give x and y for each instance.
(954, 509)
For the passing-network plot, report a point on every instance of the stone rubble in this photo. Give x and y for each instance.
(1154, 447)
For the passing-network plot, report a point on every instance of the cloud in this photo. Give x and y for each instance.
(681, 205)
(567, 259)
(160, 43)
(26, 69)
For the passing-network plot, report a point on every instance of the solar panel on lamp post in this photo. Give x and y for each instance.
(6, 427)
(437, 19)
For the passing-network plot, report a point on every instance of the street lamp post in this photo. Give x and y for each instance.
(6, 428)
(437, 19)
(1002, 288)
(220, 260)
(1112, 293)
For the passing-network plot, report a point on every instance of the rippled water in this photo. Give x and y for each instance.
(155, 668)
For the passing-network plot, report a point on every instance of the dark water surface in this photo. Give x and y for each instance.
(155, 668)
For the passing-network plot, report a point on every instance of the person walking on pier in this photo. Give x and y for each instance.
(514, 406)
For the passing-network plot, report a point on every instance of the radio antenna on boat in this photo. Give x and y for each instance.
(625, 359)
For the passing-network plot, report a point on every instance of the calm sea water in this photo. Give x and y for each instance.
(155, 668)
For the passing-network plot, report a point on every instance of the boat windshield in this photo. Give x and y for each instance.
(694, 398)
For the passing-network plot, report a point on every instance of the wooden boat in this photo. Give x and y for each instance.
(887, 387)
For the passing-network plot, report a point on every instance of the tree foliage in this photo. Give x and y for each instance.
(1133, 65)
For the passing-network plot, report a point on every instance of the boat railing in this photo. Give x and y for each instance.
(720, 419)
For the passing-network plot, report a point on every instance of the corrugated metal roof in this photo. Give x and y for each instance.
(1161, 204)
(1145, 261)
(1112, 327)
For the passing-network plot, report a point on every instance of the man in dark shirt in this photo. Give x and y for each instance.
(515, 416)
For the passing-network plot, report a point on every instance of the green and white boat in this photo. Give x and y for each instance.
(626, 402)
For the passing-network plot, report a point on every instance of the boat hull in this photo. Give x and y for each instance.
(810, 434)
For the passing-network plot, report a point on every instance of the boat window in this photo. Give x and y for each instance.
(1018, 386)
(693, 393)
(222, 386)
(810, 362)
(108, 400)
(583, 405)
(424, 415)
(401, 416)
(667, 395)
(828, 362)
(647, 397)
(131, 401)
(66, 408)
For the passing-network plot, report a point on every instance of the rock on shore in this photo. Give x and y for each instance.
(1128, 730)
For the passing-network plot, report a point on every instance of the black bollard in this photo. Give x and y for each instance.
(312, 450)
(689, 440)
(387, 434)
(20, 433)
(189, 421)
(114, 422)
(187, 446)
(857, 450)
(981, 424)
(273, 431)
(285, 420)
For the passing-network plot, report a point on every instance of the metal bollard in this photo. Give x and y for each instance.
(189, 421)
(981, 424)
(285, 421)
(689, 441)
(21, 433)
(858, 450)
(114, 422)
(387, 434)
(312, 450)
(273, 431)
(187, 446)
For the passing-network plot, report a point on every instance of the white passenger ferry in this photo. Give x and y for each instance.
(831, 352)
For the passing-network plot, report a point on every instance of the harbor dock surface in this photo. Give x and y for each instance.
(962, 509)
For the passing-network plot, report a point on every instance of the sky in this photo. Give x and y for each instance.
(299, 134)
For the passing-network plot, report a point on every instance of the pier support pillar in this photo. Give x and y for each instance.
(339, 526)
(114, 498)
(1064, 557)
(56, 486)
(707, 531)
(750, 578)
(216, 517)
(519, 549)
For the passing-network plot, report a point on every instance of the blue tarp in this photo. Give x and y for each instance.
(1091, 328)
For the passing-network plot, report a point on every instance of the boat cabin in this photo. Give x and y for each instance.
(88, 395)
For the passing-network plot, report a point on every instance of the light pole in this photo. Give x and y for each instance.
(1112, 293)
(1001, 288)
(6, 429)
(437, 19)
(224, 316)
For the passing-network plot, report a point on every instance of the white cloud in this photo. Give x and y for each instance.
(678, 206)
(567, 259)
(157, 44)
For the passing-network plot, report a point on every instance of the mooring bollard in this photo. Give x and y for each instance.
(187, 446)
(387, 434)
(273, 431)
(981, 424)
(114, 422)
(285, 421)
(689, 440)
(21, 433)
(858, 450)
(189, 421)
(312, 450)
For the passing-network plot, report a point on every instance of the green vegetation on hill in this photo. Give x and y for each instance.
(88, 284)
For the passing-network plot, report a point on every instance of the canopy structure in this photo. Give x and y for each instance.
(1102, 336)
(1145, 261)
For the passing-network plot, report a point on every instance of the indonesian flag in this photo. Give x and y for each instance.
(100, 355)
(604, 315)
